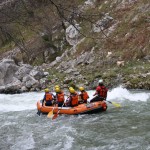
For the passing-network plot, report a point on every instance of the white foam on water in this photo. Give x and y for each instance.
(121, 94)
(27, 101)
(24, 142)
(68, 143)
(65, 136)
(19, 102)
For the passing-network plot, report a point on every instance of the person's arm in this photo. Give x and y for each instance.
(97, 89)
(95, 93)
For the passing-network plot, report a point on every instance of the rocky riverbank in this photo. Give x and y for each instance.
(98, 39)
(20, 78)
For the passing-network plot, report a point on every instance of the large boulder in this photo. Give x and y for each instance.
(30, 82)
(7, 71)
(16, 79)
(13, 87)
(23, 70)
(37, 74)
(43, 83)
(72, 34)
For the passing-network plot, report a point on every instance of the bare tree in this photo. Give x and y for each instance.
(42, 17)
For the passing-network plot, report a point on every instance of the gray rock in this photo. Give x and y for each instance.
(147, 57)
(71, 70)
(23, 71)
(46, 74)
(102, 24)
(7, 71)
(36, 74)
(30, 82)
(76, 73)
(13, 87)
(24, 89)
(72, 34)
(43, 82)
(85, 58)
(14, 78)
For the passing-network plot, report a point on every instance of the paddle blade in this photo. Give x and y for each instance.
(116, 104)
(55, 116)
(38, 112)
(50, 114)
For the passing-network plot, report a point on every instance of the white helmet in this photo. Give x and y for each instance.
(100, 81)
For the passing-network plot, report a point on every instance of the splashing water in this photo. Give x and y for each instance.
(27, 101)
(122, 94)
(123, 128)
(18, 102)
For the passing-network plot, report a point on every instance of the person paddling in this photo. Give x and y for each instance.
(59, 97)
(101, 92)
(73, 98)
(83, 95)
(48, 98)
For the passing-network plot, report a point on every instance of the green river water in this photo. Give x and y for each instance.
(125, 128)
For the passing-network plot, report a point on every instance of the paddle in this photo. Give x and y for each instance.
(114, 103)
(50, 114)
(56, 115)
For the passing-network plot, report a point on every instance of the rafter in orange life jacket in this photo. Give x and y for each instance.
(74, 99)
(60, 97)
(48, 96)
(84, 96)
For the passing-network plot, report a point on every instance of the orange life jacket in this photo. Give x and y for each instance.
(48, 97)
(74, 99)
(60, 97)
(84, 96)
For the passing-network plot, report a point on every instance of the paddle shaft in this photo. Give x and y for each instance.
(115, 104)
(108, 101)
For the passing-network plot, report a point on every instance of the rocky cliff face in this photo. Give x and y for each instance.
(113, 45)
(119, 51)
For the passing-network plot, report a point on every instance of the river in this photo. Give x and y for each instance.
(125, 128)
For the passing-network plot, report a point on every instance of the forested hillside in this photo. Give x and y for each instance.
(80, 41)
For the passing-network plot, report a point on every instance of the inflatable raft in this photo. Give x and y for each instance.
(84, 108)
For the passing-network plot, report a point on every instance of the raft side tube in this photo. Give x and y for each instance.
(90, 108)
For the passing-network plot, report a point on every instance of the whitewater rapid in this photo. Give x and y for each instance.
(122, 128)
(27, 101)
